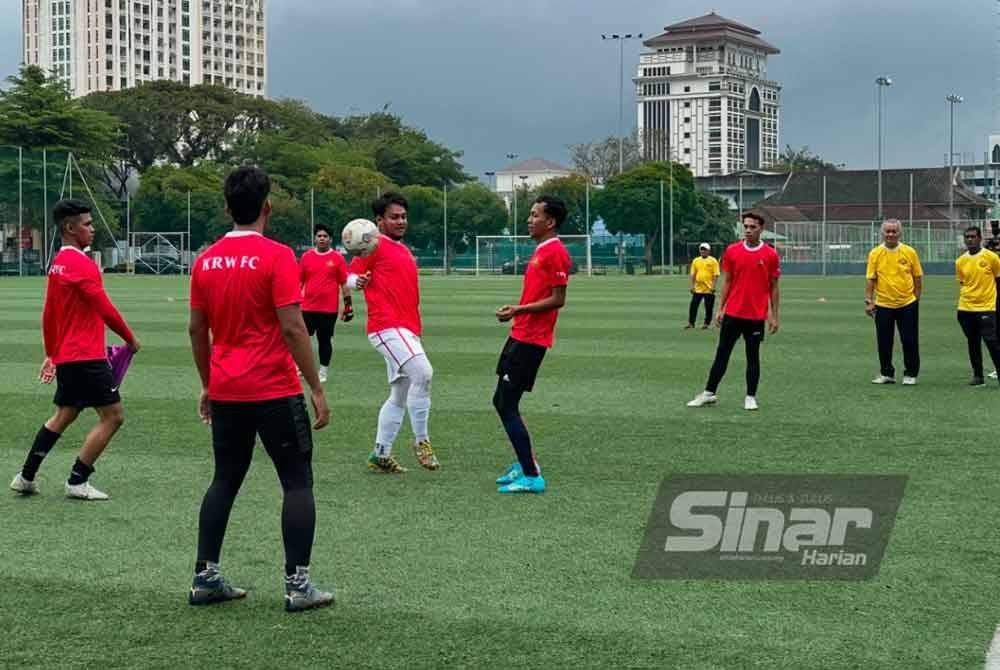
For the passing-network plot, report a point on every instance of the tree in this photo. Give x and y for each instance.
(403, 154)
(425, 216)
(801, 160)
(345, 192)
(715, 221)
(573, 191)
(473, 210)
(36, 114)
(630, 202)
(162, 202)
(599, 160)
(36, 111)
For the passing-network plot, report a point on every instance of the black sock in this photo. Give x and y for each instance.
(80, 473)
(44, 441)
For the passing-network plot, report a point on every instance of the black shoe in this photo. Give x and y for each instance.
(977, 381)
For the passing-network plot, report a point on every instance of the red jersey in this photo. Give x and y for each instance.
(239, 283)
(549, 267)
(321, 276)
(749, 274)
(77, 309)
(393, 294)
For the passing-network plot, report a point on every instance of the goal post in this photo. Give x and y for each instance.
(509, 254)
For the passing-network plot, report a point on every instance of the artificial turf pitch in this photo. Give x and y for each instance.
(436, 569)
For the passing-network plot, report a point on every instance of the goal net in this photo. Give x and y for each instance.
(158, 254)
(509, 254)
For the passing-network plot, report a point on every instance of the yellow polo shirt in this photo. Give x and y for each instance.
(977, 275)
(894, 271)
(704, 270)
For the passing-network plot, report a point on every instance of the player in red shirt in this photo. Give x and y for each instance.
(247, 334)
(73, 320)
(750, 271)
(388, 277)
(534, 317)
(323, 275)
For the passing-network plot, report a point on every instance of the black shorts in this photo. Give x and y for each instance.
(519, 363)
(85, 384)
(748, 329)
(320, 321)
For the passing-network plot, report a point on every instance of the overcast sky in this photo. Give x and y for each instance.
(533, 76)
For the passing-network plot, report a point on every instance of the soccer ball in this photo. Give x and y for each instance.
(360, 237)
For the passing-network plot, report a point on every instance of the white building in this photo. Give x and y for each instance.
(109, 45)
(704, 97)
(528, 174)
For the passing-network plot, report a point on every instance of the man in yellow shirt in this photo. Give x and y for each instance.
(977, 271)
(892, 296)
(704, 272)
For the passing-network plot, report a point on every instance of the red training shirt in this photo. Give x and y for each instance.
(549, 267)
(77, 309)
(321, 276)
(393, 294)
(239, 283)
(749, 274)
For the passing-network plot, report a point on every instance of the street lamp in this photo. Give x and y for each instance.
(524, 185)
(882, 83)
(952, 99)
(621, 89)
(513, 191)
(491, 177)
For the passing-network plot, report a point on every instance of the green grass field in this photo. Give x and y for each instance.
(436, 569)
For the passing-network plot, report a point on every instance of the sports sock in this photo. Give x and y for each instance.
(521, 441)
(419, 409)
(390, 418)
(45, 439)
(80, 473)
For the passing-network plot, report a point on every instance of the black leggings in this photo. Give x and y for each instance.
(696, 299)
(322, 325)
(752, 333)
(284, 430)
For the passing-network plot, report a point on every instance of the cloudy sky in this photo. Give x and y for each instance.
(533, 76)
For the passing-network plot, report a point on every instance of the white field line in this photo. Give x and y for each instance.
(993, 653)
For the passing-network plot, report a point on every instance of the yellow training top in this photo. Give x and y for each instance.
(704, 271)
(977, 274)
(894, 271)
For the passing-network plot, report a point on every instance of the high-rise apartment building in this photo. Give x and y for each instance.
(109, 45)
(704, 97)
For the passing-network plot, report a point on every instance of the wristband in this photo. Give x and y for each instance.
(347, 301)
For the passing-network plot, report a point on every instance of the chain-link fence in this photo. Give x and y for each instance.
(647, 229)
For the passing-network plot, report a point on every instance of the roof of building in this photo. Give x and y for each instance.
(852, 195)
(712, 27)
(535, 165)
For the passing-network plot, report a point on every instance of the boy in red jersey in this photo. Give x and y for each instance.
(76, 311)
(388, 277)
(750, 271)
(323, 275)
(247, 334)
(534, 317)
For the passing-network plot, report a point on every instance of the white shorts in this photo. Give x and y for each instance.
(397, 346)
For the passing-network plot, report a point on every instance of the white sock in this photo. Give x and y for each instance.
(390, 419)
(419, 409)
(418, 397)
